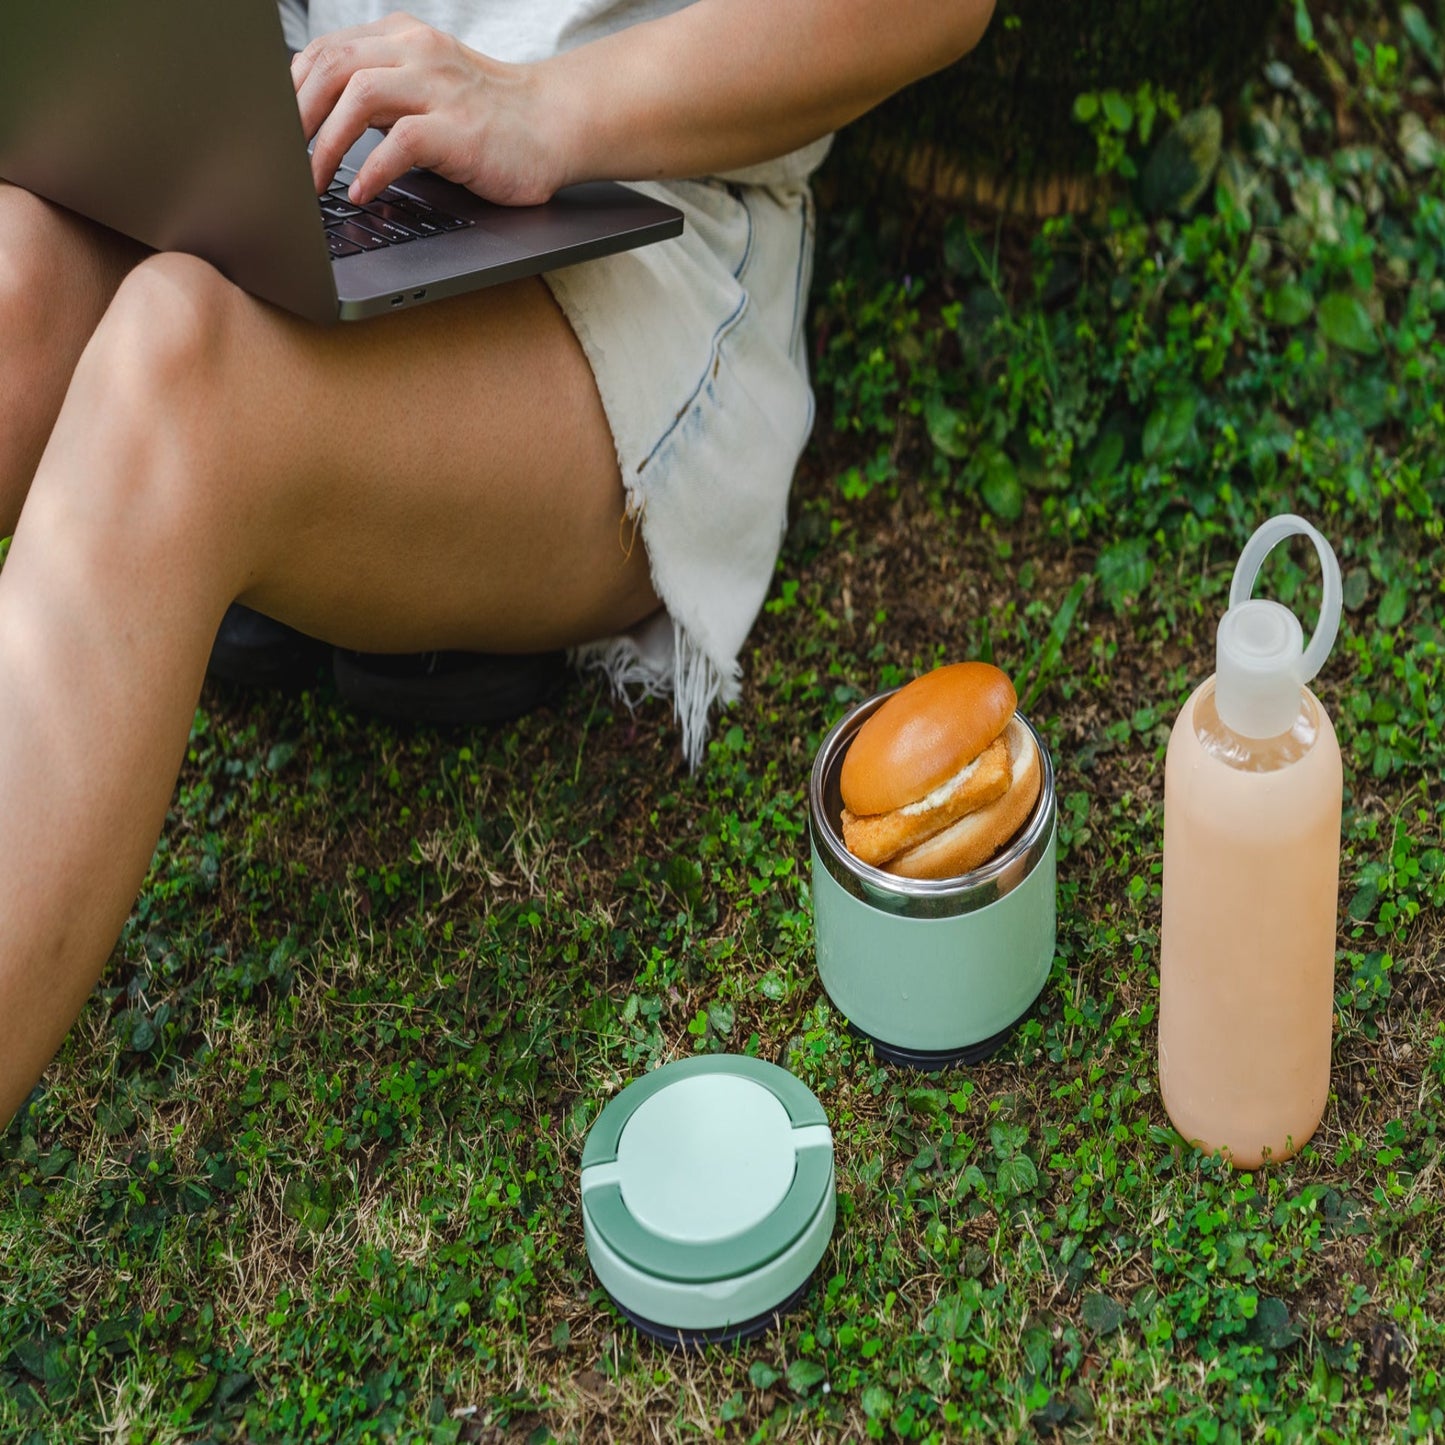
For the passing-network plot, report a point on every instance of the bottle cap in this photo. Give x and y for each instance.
(1261, 662)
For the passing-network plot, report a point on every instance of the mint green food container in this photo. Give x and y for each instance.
(932, 972)
(708, 1198)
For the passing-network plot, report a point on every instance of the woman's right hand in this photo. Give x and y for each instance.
(443, 106)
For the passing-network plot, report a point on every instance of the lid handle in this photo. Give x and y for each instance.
(1265, 539)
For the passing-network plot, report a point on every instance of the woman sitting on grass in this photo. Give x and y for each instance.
(465, 475)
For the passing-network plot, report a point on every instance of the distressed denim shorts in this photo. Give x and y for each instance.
(697, 345)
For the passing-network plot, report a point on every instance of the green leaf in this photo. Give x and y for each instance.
(29, 1355)
(1105, 455)
(1304, 27)
(1102, 1313)
(1001, 490)
(1272, 1326)
(1017, 1175)
(805, 1376)
(195, 1395)
(762, 1375)
(950, 1317)
(1422, 35)
(1008, 1139)
(1181, 166)
(1168, 428)
(1347, 324)
(1086, 107)
(1391, 612)
(114, 1117)
(1053, 647)
(1124, 570)
(1357, 588)
(876, 1401)
(137, 1032)
(1289, 305)
(1117, 111)
(1367, 397)
(1362, 905)
(279, 756)
(946, 427)
(310, 1202)
(1417, 144)
(683, 877)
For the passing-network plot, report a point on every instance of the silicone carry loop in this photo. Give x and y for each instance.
(1266, 538)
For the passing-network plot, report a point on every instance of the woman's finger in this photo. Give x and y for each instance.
(332, 69)
(415, 140)
(371, 98)
(304, 60)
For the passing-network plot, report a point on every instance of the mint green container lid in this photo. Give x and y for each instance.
(708, 1196)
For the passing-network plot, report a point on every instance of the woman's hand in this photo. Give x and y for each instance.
(442, 105)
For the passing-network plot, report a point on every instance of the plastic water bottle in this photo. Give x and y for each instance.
(1252, 788)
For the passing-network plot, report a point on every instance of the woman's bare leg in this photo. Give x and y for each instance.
(58, 273)
(442, 478)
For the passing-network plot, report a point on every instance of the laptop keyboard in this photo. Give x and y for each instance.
(391, 219)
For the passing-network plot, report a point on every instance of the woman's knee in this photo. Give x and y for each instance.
(57, 273)
(51, 295)
(153, 378)
(166, 333)
(27, 228)
(138, 452)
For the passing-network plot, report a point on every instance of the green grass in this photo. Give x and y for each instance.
(307, 1167)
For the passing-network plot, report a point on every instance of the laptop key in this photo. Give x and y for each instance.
(394, 197)
(390, 230)
(340, 246)
(442, 220)
(338, 210)
(402, 216)
(358, 236)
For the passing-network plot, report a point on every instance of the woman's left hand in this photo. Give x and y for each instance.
(443, 106)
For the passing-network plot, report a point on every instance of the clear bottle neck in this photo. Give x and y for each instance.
(1255, 755)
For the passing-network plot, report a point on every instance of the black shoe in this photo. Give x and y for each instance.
(448, 688)
(253, 650)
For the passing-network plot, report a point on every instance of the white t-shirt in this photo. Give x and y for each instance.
(519, 31)
(511, 30)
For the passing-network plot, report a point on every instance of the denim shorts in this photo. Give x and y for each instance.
(697, 345)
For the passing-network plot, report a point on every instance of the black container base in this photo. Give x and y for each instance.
(933, 1061)
(680, 1339)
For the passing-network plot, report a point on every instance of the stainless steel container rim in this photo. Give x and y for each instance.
(942, 896)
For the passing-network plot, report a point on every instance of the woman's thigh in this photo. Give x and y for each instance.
(443, 477)
(58, 273)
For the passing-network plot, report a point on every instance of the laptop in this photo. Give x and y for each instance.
(175, 122)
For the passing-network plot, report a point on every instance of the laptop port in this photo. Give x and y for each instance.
(418, 295)
(397, 300)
